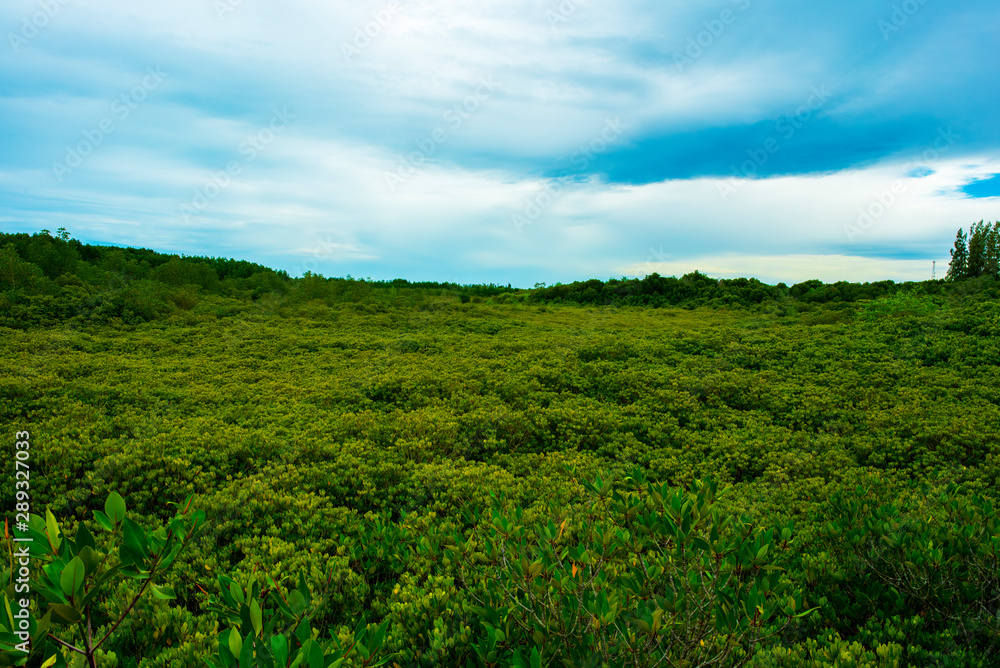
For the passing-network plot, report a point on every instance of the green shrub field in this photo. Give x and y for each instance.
(339, 472)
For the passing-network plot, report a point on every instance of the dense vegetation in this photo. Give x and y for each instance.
(48, 280)
(462, 475)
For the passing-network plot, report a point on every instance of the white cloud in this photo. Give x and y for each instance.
(791, 269)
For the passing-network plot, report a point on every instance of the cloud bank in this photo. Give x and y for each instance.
(516, 142)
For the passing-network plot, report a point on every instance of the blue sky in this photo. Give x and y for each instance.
(510, 142)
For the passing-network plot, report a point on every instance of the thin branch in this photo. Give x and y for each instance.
(127, 611)
(67, 645)
(90, 642)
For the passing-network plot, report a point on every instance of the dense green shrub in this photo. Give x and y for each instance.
(344, 430)
(936, 554)
(646, 575)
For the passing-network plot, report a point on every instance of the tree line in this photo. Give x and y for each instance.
(977, 253)
(48, 278)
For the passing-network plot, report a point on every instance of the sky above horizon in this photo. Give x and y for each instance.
(517, 142)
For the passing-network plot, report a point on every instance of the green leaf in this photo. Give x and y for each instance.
(235, 642)
(359, 630)
(281, 605)
(303, 587)
(84, 538)
(52, 528)
(10, 614)
(225, 654)
(379, 636)
(303, 631)
(72, 577)
(256, 617)
(163, 592)
(296, 602)
(316, 659)
(90, 559)
(64, 614)
(95, 587)
(135, 539)
(701, 544)
(227, 597)
(115, 508)
(103, 520)
(43, 625)
(279, 647)
(237, 593)
(246, 654)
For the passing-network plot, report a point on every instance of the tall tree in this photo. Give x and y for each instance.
(977, 249)
(992, 265)
(959, 257)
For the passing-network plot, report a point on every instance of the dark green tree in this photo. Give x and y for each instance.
(55, 255)
(992, 265)
(977, 249)
(959, 267)
(15, 272)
